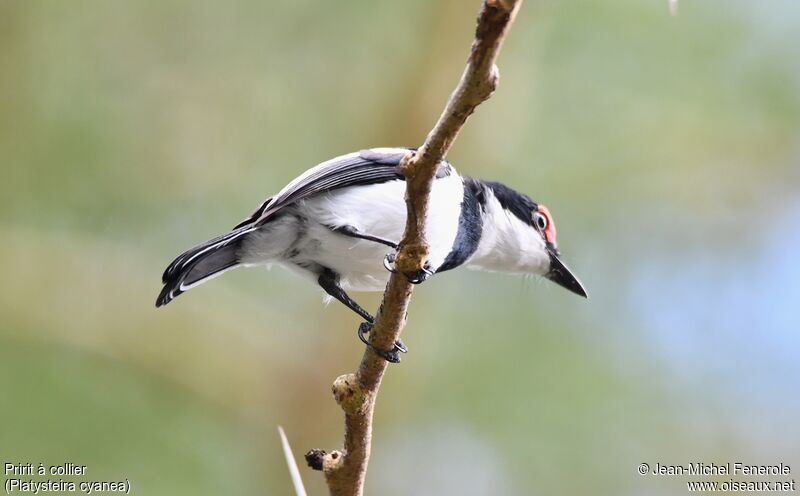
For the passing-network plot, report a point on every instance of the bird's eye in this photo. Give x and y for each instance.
(540, 221)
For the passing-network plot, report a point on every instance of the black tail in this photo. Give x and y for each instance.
(200, 263)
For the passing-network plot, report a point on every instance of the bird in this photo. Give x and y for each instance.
(339, 225)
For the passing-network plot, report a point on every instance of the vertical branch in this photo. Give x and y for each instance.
(356, 393)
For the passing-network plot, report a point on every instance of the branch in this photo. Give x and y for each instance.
(345, 471)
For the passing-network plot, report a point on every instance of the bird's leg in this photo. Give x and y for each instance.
(328, 281)
(417, 277)
(352, 232)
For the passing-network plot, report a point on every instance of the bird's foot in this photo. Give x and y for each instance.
(417, 277)
(388, 262)
(392, 356)
(421, 275)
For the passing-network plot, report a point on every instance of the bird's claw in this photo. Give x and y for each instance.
(421, 275)
(392, 356)
(400, 346)
(388, 260)
(417, 277)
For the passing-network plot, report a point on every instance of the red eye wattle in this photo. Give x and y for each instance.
(550, 229)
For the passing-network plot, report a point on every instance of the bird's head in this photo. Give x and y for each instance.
(519, 235)
(558, 272)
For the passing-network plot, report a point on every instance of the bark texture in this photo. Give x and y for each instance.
(356, 393)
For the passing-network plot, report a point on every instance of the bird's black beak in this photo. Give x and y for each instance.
(561, 275)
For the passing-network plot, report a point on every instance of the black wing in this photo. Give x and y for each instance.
(365, 167)
(254, 216)
(372, 166)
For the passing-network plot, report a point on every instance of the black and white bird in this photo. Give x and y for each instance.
(339, 223)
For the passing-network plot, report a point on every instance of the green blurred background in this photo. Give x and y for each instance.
(668, 149)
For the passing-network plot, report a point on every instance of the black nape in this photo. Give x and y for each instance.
(515, 202)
